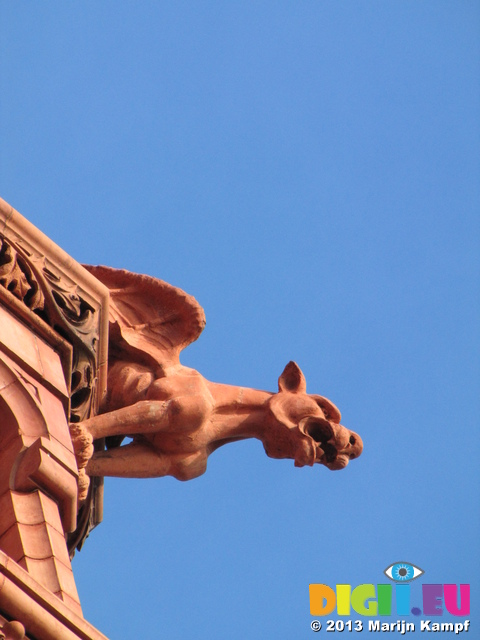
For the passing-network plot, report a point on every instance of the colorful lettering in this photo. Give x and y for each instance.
(450, 595)
(318, 594)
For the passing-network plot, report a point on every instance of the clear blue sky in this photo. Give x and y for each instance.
(310, 172)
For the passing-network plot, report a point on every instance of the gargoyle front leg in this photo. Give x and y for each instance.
(139, 460)
(142, 417)
(147, 416)
(134, 460)
(184, 415)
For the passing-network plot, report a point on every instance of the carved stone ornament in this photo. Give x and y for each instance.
(61, 302)
(12, 631)
(174, 416)
(62, 427)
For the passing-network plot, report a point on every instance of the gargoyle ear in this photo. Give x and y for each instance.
(292, 379)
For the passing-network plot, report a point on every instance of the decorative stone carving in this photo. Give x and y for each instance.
(176, 417)
(17, 277)
(59, 303)
(53, 352)
(12, 631)
(56, 418)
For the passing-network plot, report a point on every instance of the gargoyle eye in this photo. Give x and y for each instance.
(403, 572)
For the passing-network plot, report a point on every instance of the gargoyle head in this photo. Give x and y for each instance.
(307, 427)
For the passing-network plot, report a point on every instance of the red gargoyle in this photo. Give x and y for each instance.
(174, 416)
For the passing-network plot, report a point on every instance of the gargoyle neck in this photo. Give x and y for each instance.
(239, 411)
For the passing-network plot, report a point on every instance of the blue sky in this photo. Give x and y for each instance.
(310, 172)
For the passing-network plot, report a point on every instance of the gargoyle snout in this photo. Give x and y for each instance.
(355, 445)
(352, 448)
(336, 445)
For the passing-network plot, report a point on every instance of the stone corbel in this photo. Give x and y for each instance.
(63, 304)
(43, 465)
(53, 365)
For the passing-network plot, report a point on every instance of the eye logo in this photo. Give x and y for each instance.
(403, 572)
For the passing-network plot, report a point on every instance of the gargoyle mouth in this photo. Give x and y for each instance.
(339, 458)
(322, 434)
(319, 430)
(333, 459)
(335, 445)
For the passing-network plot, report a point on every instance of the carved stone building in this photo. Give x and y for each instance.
(55, 318)
(53, 355)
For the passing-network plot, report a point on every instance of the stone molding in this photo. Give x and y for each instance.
(53, 374)
(42, 614)
(56, 288)
(61, 302)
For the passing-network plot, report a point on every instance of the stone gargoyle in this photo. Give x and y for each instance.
(173, 415)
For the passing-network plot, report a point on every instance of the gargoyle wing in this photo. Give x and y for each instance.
(151, 321)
